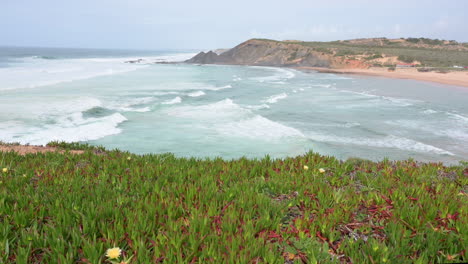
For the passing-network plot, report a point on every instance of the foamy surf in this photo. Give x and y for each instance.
(196, 94)
(176, 100)
(39, 72)
(275, 98)
(390, 141)
(73, 128)
(230, 119)
(280, 75)
(259, 128)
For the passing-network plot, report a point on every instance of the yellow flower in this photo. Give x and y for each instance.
(129, 158)
(5, 170)
(321, 170)
(306, 167)
(113, 253)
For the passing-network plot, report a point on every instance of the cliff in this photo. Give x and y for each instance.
(344, 54)
(265, 53)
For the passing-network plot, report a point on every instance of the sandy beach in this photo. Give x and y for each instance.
(451, 78)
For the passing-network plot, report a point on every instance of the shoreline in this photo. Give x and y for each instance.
(459, 79)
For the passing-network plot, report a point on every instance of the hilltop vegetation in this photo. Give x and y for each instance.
(65, 208)
(428, 52)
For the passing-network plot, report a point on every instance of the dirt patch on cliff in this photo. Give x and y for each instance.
(23, 150)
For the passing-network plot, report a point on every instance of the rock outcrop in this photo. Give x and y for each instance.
(266, 53)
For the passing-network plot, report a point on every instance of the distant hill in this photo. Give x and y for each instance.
(355, 53)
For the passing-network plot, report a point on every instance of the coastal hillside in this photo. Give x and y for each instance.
(358, 53)
(265, 53)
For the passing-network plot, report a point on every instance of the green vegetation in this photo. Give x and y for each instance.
(323, 50)
(73, 146)
(293, 56)
(429, 41)
(406, 58)
(375, 56)
(345, 52)
(65, 208)
(436, 56)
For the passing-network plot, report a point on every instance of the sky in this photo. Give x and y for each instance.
(208, 24)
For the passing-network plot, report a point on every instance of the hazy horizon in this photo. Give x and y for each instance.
(208, 24)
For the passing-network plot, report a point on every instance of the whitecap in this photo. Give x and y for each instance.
(275, 98)
(279, 76)
(196, 94)
(458, 117)
(176, 100)
(218, 87)
(72, 128)
(258, 107)
(429, 111)
(258, 127)
(384, 142)
(221, 109)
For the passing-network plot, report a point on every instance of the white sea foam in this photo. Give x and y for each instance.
(258, 127)
(176, 100)
(459, 117)
(384, 142)
(32, 72)
(452, 130)
(230, 119)
(222, 109)
(322, 85)
(275, 98)
(258, 107)
(72, 128)
(176, 57)
(132, 109)
(280, 75)
(429, 111)
(130, 105)
(403, 102)
(196, 94)
(331, 77)
(218, 88)
(164, 93)
(179, 87)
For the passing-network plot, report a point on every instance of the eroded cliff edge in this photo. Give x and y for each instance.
(266, 53)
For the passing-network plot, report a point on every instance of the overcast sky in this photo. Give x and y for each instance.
(204, 24)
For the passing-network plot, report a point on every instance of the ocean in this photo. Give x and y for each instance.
(94, 96)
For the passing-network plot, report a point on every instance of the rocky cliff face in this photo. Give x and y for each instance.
(266, 53)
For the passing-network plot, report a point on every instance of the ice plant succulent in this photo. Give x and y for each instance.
(207, 201)
(113, 253)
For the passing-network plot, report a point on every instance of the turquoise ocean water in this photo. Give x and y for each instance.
(228, 111)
